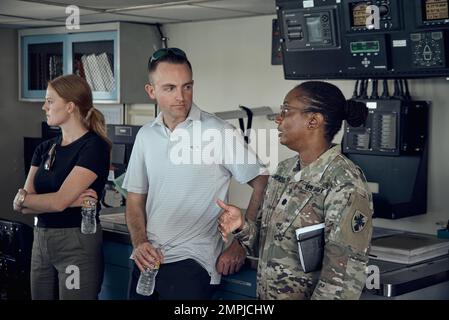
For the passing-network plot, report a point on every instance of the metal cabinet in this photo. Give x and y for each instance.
(16, 241)
(112, 57)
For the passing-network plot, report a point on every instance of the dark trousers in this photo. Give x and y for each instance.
(181, 280)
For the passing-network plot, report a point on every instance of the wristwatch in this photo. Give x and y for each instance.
(21, 195)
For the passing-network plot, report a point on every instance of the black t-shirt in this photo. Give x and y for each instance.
(90, 152)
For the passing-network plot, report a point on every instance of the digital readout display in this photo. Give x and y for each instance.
(359, 15)
(435, 10)
(365, 47)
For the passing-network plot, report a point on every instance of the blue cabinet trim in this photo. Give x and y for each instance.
(67, 41)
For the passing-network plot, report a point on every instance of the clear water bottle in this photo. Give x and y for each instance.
(88, 213)
(147, 281)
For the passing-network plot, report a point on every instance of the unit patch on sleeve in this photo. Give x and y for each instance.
(358, 221)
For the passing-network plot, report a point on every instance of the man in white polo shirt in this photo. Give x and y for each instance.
(171, 209)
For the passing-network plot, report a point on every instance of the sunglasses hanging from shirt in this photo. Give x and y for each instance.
(50, 157)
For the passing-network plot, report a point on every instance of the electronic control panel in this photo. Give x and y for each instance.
(428, 49)
(359, 15)
(305, 29)
(432, 13)
(391, 148)
(354, 39)
(394, 127)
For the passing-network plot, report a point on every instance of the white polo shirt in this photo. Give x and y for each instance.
(183, 184)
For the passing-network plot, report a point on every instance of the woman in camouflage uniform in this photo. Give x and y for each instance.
(318, 185)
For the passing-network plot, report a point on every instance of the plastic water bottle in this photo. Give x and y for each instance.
(88, 213)
(147, 281)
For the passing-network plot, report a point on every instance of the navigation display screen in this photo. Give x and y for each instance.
(359, 14)
(314, 29)
(435, 10)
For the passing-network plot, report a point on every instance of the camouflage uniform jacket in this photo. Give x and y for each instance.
(331, 190)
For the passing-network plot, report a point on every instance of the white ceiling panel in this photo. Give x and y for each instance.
(33, 10)
(254, 6)
(112, 17)
(33, 23)
(144, 11)
(6, 19)
(188, 13)
(113, 4)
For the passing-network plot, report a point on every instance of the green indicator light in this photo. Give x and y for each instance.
(365, 47)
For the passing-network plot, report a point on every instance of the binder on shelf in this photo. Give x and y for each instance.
(95, 73)
(98, 72)
(311, 246)
(102, 72)
(55, 66)
(87, 72)
(106, 71)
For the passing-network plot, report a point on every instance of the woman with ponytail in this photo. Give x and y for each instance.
(65, 263)
(318, 188)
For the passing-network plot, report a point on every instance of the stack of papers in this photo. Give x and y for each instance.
(408, 248)
(115, 221)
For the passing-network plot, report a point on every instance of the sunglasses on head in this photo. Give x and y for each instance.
(164, 52)
(50, 157)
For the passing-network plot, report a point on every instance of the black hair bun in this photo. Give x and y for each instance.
(356, 113)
